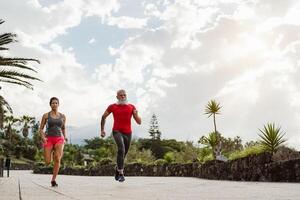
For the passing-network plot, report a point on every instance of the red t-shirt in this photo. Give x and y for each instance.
(122, 117)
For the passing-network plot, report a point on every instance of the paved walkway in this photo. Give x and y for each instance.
(27, 186)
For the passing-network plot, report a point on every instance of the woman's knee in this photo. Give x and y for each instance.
(57, 158)
(47, 161)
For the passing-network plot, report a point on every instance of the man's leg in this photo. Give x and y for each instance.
(121, 150)
(127, 140)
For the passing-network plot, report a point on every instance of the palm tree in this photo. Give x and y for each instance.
(271, 137)
(27, 122)
(9, 66)
(4, 106)
(9, 121)
(212, 109)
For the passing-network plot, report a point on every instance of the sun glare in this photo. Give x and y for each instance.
(244, 45)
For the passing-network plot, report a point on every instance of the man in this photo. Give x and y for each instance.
(122, 112)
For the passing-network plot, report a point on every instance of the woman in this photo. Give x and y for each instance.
(54, 137)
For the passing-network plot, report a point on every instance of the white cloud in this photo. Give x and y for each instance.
(127, 22)
(243, 53)
(92, 41)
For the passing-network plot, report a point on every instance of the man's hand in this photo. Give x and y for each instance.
(102, 134)
(136, 117)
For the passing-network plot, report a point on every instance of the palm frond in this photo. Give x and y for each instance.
(22, 60)
(17, 65)
(29, 86)
(212, 108)
(5, 104)
(7, 38)
(12, 74)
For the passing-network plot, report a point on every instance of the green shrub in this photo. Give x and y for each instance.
(252, 150)
(169, 157)
(160, 161)
(105, 161)
(208, 158)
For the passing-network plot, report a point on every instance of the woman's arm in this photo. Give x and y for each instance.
(64, 128)
(42, 125)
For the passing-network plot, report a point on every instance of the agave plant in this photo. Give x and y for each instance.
(271, 137)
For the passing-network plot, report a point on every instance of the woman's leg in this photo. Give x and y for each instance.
(47, 155)
(58, 152)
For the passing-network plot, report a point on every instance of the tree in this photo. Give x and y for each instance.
(12, 69)
(11, 135)
(154, 128)
(9, 121)
(212, 109)
(36, 138)
(27, 122)
(230, 145)
(4, 107)
(271, 137)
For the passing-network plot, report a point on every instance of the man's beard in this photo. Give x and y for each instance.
(122, 102)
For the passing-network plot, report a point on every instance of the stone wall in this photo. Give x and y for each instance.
(252, 168)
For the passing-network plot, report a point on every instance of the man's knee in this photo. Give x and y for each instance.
(121, 151)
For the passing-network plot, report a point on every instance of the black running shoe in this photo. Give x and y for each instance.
(54, 184)
(121, 178)
(117, 175)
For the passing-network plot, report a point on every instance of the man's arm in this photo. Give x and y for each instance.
(136, 117)
(103, 118)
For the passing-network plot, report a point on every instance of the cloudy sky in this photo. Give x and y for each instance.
(172, 57)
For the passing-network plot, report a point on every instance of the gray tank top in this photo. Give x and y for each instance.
(54, 126)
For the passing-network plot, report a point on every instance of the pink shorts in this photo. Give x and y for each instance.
(52, 140)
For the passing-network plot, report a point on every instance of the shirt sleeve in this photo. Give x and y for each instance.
(110, 108)
(133, 107)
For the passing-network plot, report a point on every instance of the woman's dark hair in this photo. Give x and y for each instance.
(52, 99)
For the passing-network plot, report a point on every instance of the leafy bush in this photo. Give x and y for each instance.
(105, 161)
(160, 161)
(208, 158)
(169, 157)
(252, 150)
(135, 155)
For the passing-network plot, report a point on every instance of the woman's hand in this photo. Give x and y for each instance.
(44, 139)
